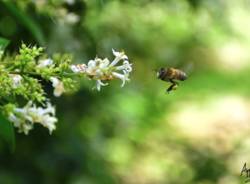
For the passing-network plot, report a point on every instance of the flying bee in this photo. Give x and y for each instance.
(171, 75)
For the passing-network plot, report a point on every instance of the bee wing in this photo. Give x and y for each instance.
(188, 68)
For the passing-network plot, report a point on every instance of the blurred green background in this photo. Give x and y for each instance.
(138, 134)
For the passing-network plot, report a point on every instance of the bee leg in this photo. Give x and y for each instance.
(172, 86)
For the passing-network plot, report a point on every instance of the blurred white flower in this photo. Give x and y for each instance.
(17, 80)
(25, 118)
(44, 63)
(58, 86)
(70, 1)
(72, 18)
(104, 70)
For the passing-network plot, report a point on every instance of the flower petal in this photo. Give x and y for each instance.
(99, 84)
(58, 86)
(45, 62)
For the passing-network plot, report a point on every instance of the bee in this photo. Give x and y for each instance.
(171, 75)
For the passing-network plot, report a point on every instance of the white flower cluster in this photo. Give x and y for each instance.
(100, 70)
(104, 70)
(25, 118)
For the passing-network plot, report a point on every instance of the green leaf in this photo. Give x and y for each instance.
(3, 43)
(7, 133)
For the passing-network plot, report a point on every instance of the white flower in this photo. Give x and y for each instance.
(80, 68)
(25, 118)
(58, 86)
(44, 63)
(17, 80)
(104, 70)
(91, 68)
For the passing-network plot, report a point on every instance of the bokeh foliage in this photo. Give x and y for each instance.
(136, 134)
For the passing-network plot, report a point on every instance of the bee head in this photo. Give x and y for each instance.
(160, 72)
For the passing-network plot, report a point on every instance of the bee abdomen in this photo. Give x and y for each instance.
(181, 75)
